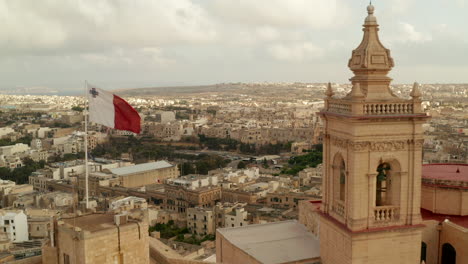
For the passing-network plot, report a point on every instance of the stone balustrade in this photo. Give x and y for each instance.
(339, 107)
(347, 107)
(386, 213)
(388, 108)
(339, 208)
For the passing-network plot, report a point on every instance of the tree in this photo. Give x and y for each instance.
(241, 165)
(77, 108)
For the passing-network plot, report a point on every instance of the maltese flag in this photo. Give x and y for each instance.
(112, 111)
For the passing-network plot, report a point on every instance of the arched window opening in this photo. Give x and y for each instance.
(423, 251)
(449, 255)
(382, 183)
(339, 178)
(342, 180)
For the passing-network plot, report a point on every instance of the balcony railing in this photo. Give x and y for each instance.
(369, 108)
(339, 208)
(388, 108)
(386, 213)
(339, 107)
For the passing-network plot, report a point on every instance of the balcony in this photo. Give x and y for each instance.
(388, 108)
(338, 106)
(371, 108)
(386, 213)
(339, 208)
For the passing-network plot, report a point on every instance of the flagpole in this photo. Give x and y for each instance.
(86, 145)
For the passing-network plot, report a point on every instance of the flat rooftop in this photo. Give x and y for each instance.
(277, 242)
(457, 219)
(162, 164)
(447, 172)
(92, 222)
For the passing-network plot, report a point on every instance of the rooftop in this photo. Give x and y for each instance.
(457, 219)
(447, 172)
(277, 242)
(92, 222)
(162, 164)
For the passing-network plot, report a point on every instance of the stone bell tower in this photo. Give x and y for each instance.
(372, 164)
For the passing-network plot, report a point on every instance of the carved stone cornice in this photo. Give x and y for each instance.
(339, 142)
(375, 146)
(394, 145)
(418, 143)
(359, 146)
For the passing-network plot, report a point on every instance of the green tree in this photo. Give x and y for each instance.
(241, 165)
(77, 108)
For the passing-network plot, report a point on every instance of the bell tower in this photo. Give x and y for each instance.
(372, 164)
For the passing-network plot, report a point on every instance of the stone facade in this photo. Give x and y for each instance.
(201, 221)
(148, 177)
(178, 198)
(97, 238)
(233, 196)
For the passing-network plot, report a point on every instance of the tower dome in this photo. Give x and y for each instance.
(371, 61)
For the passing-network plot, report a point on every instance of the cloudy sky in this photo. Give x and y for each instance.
(141, 43)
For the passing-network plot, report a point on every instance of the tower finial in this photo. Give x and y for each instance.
(416, 92)
(370, 9)
(329, 92)
(356, 91)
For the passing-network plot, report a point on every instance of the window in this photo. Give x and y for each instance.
(449, 254)
(423, 251)
(342, 180)
(382, 178)
(7, 222)
(66, 259)
(339, 178)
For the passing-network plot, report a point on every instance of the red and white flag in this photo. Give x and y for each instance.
(112, 111)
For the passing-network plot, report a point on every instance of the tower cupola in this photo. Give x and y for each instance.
(371, 61)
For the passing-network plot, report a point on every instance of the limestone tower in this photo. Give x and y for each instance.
(372, 164)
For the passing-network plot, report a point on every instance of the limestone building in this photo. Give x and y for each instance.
(278, 242)
(191, 191)
(372, 164)
(146, 173)
(201, 221)
(98, 238)
(444, 208)
(15, 224)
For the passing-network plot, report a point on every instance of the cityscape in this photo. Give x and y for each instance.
(365, 171)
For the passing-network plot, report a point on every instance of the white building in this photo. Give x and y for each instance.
(128, 203)
(165, 116)
(5, 131)
(194, 181)
(11, 150)
(236, 218)
(36, 143)
(15, 224)
(6, 186)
